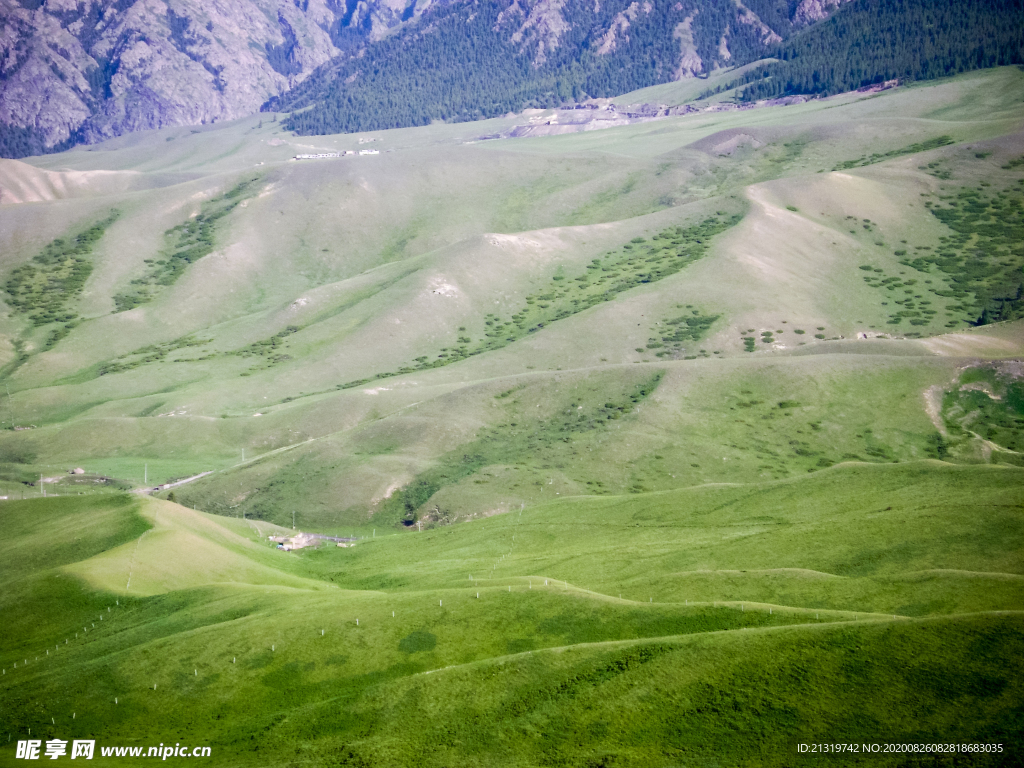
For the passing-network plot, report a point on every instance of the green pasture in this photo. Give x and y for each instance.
(677, 443)
(181, 378)
(861, 603)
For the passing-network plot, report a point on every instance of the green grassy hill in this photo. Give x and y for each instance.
(353, 325)
(719, 623)
(730, 404)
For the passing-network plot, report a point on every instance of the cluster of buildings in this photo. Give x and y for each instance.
(343, 153)
(303, 540)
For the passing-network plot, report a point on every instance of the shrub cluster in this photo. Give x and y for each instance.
(43, 288)
(636, 263)
(191, 241)
(983, 259)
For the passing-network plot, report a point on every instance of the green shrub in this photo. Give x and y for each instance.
(43, 287)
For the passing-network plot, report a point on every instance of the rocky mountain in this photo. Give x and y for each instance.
(84, 70)
(468, 60)
(810, 11)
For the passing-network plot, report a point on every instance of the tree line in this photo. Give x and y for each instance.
(461, 63)
(871, 41)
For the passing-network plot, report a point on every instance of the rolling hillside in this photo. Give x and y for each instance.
(487, 324)
(750, 614)
(730, 402)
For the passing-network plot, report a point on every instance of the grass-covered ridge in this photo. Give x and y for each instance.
(676, 331)
(975, 274)
(43, 535)
(911, 149)
(515, 444)
(189, 242)
(583, 630)
(268, 349)
(151, 353)
(909, 303)
(984, 258)
(638, 262)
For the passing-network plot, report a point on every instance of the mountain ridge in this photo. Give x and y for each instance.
(84, 72)
(468, 61)
(74, 73)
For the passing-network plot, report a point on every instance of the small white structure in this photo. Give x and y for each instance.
(298, 541)
(369, 151)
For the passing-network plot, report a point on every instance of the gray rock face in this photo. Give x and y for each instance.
(102, 68)
(534, 24)
(810, 11)
(93, 69)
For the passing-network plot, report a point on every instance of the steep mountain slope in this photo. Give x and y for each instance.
(84, 71)
(475, 60)
(80, 72)
(544, 54)
(873, 41)
(73, 73)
